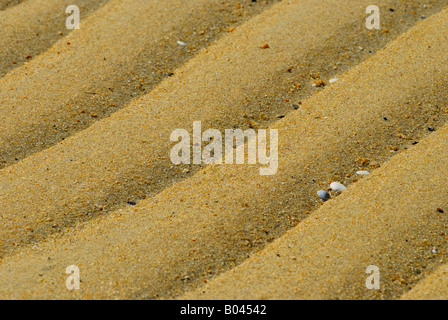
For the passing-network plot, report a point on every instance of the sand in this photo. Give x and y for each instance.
(29, 28)
(188, 233)
(117, 55)
(125, 157)
(8, 3)
(390, 220)
(434, 287)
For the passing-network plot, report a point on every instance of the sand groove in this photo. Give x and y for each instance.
(34, 26)
(434, 287)
(389, 220)
(4, 4)
(222, 214)
(117, 55)
(126, 157)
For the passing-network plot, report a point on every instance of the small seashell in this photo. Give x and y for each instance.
(336, 186)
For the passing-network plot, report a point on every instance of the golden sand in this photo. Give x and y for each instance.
(434, 287)
(120, 53)
(205, 226)
(32, 27)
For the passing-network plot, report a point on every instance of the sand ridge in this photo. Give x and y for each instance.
(31, 27)
(389, 219)
(433, 287)
(125, 157)
(116, 56)
(164, 230)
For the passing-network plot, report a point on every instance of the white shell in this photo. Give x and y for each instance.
(333, 80)
(181, 43)
(336, 186)
(362, 172)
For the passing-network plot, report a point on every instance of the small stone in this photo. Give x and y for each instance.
(318, 83)
(333, 80)
(362, 172)
(265, 46)
(324, 195)
(181, 43)
(374, 164)
(363, 161)
(336, 186)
